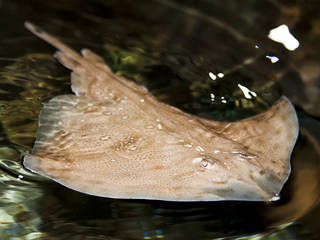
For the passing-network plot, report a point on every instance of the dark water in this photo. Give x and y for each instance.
(170, 47)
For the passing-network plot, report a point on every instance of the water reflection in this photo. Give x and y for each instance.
(35, 207)
(30, 206)
(282, 35)
(172, 59)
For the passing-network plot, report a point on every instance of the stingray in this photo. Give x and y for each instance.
(112, 138)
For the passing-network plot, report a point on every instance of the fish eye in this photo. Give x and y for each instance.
(204, 163)
(207, 162)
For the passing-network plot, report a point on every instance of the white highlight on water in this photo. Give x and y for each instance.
(282, 35)
(247, 92)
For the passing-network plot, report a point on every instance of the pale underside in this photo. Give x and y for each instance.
(114, 139)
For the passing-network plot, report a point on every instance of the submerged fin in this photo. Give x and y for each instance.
(51, 133)
(91, 77)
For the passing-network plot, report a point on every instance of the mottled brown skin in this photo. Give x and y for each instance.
(114, 139)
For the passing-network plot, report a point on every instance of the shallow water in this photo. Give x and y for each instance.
(170, 47)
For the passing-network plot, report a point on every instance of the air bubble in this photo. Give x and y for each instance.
(125, 117)
(275, 198)
(149, 127)
(159, 126)
(105, 137)
(197, 160)
(244, 155)
(199, 149)
(141, 100)
(188, 145)
(123, 101)
(132, 148)
(107, 113)
(74, 103)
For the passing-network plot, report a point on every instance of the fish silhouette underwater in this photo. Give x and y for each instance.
(112, 138)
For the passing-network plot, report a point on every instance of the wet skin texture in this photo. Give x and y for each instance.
(114, 139)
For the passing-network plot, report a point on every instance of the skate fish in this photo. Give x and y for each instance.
(112, 138)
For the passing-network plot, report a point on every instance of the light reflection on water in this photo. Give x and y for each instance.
(176, 71)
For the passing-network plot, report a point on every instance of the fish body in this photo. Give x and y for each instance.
(112, 138)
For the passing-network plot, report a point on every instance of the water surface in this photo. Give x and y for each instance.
(190, 54)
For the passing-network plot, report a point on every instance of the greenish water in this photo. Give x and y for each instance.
(173, 48)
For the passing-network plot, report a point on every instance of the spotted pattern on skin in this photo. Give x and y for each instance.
(104, 141)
